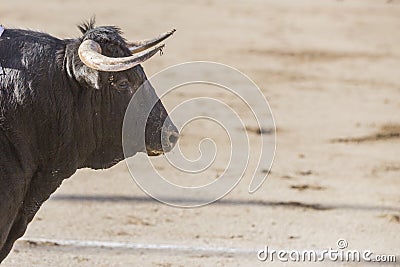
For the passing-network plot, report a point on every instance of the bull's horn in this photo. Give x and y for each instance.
(90, 54)
(141, 45)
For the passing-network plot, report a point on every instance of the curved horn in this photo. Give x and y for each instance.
(90, 54)
(141, 45)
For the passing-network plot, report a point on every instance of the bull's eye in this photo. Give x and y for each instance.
(123, 84)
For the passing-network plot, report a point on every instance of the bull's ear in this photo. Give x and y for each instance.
(86, 76)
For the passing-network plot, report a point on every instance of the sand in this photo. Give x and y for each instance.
(331, 73)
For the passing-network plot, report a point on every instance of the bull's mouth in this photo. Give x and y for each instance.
(158, 151)
(168, 143)
(153, 153)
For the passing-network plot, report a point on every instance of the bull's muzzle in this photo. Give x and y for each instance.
(169, 138)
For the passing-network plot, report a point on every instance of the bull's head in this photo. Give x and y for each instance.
(111, 66)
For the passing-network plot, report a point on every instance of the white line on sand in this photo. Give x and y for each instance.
(126, 245)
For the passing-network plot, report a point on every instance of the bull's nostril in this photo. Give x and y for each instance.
(173, 138)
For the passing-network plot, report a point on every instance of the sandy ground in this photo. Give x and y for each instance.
(331, 73)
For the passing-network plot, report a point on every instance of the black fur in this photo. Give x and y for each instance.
(57, 115)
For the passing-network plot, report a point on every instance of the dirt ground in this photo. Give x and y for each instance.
(331, 73)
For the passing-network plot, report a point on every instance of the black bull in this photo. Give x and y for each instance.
(59, 113)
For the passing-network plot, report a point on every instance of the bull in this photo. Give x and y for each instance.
(62, 105)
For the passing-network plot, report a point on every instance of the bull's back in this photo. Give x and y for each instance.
(26, 58)
(29, 61)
